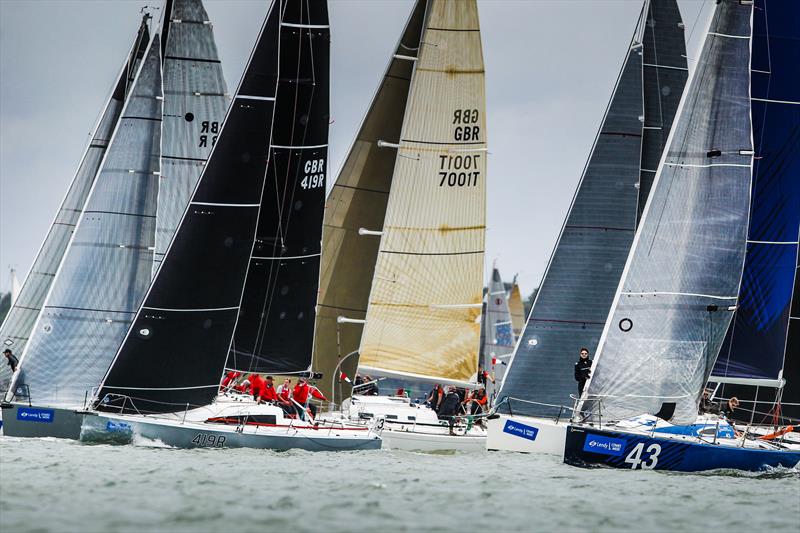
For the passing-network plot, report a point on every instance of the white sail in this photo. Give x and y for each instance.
(423, 315)
(681, 280)
(15, 286)
(106, 269)
(194, 107)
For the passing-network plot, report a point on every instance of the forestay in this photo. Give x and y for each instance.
(682, 277)
(106, 268)
(194, 107)
(175, 352)
(357, 202)
(424, 308)
(578, 287)
(18, 324)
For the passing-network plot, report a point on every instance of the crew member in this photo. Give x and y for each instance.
(228, 380)
(300, 395)
(285, 397)
(583, 368)
(435, 397)
(478, 401)
(449, 408)
(268, 393)
(257, 384)
(11, 359)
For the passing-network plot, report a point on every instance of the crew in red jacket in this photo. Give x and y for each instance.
(257, 385)
(229, 379)
(300, 395)
(268, 393)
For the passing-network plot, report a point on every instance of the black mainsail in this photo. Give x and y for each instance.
(175, 352)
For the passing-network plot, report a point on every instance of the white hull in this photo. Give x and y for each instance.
(527, 435)
(431, 442)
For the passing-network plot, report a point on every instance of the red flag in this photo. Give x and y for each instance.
(343, 376)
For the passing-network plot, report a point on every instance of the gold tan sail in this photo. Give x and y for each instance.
(517, 309)
(423, 318)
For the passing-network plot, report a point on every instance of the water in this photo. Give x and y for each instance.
(59, 485)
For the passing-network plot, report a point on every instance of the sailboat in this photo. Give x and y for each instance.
(403, 241)
(681, 283)
(497, 336)
(241, 265)
(755, 355)
(577, 291)
(150, 145)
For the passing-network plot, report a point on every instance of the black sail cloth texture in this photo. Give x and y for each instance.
(175, 353)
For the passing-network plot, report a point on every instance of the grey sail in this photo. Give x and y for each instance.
(18, 324)
(497, 334)
(106, 269)
(681, 281)
(578, 287)
(194, 106)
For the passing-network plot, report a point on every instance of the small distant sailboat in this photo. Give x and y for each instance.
(152, 141)
(497, 334)
(403, 242)
(237, 284)
(681, 283)
(577, 291)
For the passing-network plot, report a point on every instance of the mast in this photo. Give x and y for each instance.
(175, 351)
(17, 327)
(194, 106)
(357, 202)
(105, 269)
(423, 318)
(577, 291)
(681, 280)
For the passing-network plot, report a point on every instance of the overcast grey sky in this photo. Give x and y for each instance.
(550, 69)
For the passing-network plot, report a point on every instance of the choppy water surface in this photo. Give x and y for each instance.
(58, 485)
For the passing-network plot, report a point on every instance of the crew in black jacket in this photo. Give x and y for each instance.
(582, 370)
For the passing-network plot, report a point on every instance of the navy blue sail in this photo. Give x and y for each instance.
(753, 352)
(175, 352)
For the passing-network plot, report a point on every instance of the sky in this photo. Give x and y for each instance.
(550, 66)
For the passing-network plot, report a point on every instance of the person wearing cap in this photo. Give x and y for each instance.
(11, 359)
(583, 368)
(268, 393)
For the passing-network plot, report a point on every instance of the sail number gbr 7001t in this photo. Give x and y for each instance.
(461, 170)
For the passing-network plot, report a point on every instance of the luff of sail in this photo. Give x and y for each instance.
(18, 324)
(275, 329)
(106, 268)
(577, 291)
(358, 201)
(753, 352)
(175, 351)
(424, 308)
(681, 280)
(194, 107)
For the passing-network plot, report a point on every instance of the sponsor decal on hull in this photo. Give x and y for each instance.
(520, 430)
(604, 445)
(30, 414)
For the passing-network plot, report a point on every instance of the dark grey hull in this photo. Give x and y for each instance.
(32, 421)
(126, 430)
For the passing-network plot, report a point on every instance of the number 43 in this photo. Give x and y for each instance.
(635, 457)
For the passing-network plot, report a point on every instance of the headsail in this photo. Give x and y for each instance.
(176, 349)
(681, 281)
(18, 324)
(194, 107)
(424, 308)
(754, 349)
(517, 309)
(577, 291)
(358, 201)
(105, 270)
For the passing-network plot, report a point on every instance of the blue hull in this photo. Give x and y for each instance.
(589, 446)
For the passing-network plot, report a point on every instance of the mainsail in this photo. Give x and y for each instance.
(358, 202)
(424, 305)
(517, 309)
(497, 324)
(681, 280)
(753, 352)
(584, 271)
(194, 106)
(106, 267)
(175, 351)
(18, 325)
